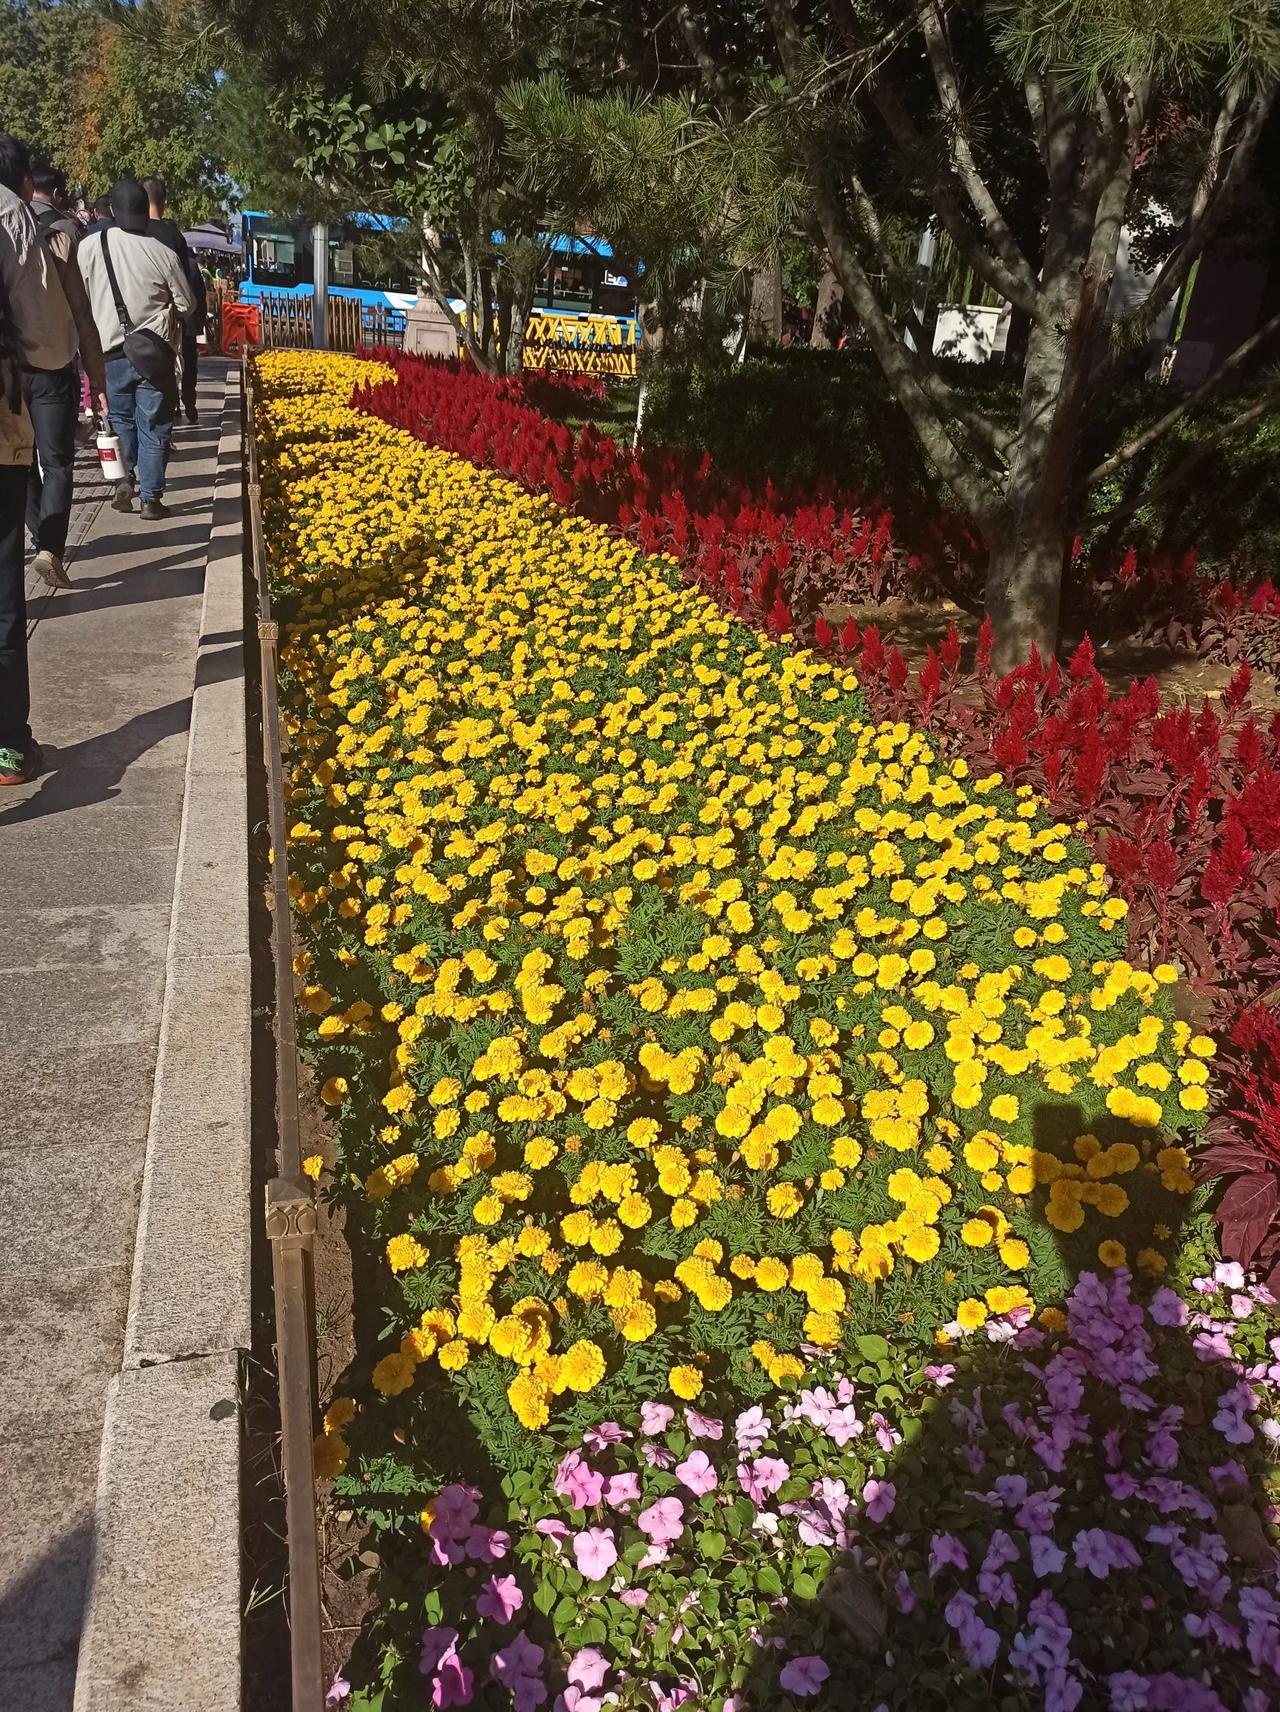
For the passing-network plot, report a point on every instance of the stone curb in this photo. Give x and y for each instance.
(162, 1621)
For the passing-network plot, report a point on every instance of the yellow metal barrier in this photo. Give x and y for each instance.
(581, 344)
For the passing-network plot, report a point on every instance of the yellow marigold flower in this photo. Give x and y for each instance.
(405, 1252)
(340, 1413)
(643, 1132)
(771, 1274)
(1151, 1260)
(393, 1374)
(1111, 1253)
(329, 1454)
(1014, 1253)
(685, 1382)
(454, 1356)
(822, 1329)
(1004, 1107)
(977, 1233)
(335, 1090)
(786, 1369)
(921, 1245)
(582, 1366)
(636, 1322)
(530, 1401)
(981, 1152)
(971, 1313)
(634, 1212)
(784, 1200)
(1052, 1319)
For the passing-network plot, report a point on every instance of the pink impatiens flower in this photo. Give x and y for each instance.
(596, 1552)
(703, 1426)
(588, 1668)
(762, 1478)
(500, 1598)
(663, 1521)
(577, 1481)
(655, 1417)
(804, 1676)
(621, 1489)
(454, 1684)
(696, 1472)
(879, 1496)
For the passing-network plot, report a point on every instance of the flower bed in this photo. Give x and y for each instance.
(733, 1092)
(1183, 812)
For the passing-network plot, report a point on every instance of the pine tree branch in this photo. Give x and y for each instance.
(1177, 476)
(947, 82)
(1125, 455)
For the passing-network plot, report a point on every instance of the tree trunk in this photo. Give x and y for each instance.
(1027, 538)
(825, 310)
(1024, 582)
(519, 309)
(765, 319)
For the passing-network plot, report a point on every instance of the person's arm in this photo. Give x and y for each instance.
(195, 278)
(86, 328)
(184, 299)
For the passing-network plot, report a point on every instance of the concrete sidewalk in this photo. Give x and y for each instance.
(89, 853)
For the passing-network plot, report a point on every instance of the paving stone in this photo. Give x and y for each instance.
(82, 1007)
(162, 1619)
(75, 807)
(90, 852)
(187, 1296)
(49, 1486)
(211, 915)
(84, 936)
(93, 875)
(61, 1339)
(91, 1093)
(65, 1181)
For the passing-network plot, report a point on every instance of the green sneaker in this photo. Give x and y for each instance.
(17, 766)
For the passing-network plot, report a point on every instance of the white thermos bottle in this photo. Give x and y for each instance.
(109, 460)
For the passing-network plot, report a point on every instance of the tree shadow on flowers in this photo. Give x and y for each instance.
(1064, 1511)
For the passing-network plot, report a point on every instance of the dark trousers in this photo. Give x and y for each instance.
(15, 685)
(190, 369)
(53, 398)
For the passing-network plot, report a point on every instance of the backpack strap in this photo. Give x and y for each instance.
(114, 283)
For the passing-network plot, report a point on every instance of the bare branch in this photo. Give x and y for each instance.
(1023, 294)
(947, 81)
(987, 435)
(713, 74)
(1177, 476)
(1228, 366)
(964, 480)
(1215, 189)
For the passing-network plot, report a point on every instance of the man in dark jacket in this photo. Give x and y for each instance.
(170, 234)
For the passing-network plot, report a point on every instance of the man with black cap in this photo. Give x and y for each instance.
(140, 297)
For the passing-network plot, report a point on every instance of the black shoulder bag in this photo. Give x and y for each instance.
(151, 355)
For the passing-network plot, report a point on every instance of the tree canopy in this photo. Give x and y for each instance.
(104, 92)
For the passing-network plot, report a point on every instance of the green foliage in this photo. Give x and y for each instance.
(115, 90)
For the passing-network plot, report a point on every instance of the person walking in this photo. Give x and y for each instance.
(51, 381)
(170, 233)
(140, 297)
(22, 279)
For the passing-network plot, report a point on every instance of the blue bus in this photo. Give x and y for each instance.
(373, 257)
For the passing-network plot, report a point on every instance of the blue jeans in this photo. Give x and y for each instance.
(142, 415)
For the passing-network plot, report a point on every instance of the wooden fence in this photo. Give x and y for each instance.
(286, 322)
(571, 344)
